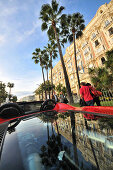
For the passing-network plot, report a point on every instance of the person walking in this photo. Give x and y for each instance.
(55, 97)
(85, 94)
(61, 97)
(95, 94)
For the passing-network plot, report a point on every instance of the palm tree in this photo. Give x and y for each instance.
(3, 93)
(39, 92)
(50, 16)
(51, 49)
(10, 85)
(38, 58)
(75, 23)
(46, 62)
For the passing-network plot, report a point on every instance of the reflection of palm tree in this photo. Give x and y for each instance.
(49, 153)
(48, 131)
(92, 146)
(72, 116)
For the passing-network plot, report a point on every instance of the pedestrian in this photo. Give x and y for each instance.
(85, 94)
(95, 94)
(65, 100)
(54, 97)
(61, 97)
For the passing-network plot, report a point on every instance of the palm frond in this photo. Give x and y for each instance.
(82, 26)
(70, 38)
(54, 5)
(69, 19)
(79, 34)
(37, 50)
(60, 10)
(44, 9)
(51, 33)
(36, 61)
(34, 57)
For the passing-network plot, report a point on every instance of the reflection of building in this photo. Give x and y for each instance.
(28, 98)
(91, 141)
(91, 47)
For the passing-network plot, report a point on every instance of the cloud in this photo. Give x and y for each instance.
(29, 32)
(2, 39)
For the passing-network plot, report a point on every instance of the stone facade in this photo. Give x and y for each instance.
(97, 38)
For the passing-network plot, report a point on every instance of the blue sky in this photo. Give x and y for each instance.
(20, 34)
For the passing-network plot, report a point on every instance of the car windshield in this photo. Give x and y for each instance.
(58, 140)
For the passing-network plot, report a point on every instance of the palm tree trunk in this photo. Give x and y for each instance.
(39, 96)
(51, 73)
(47, 74)
(44, 83)
(78, 80)
(10, 91)
(42, 95)
(69, 94)
(48, 131)
(48, 82)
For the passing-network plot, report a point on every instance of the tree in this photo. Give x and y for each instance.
(10, 85)
(51, 21)
(47, 86)
(38, 58)
(60, 88)
(3, 93)
(109, 61)
(46, 63)
(102, 77)
(75, 23)
(51, 49)
(14, 99)
(39, 91)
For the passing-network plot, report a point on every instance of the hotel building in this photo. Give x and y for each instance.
(96, 40)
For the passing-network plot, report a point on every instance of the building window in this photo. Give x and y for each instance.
(78, 57)
(107, 23)
(82, 67)
(96, 43)
(77, 51)
(93, 35)
(103, 60)
(85, 51)
(103, 47)
(110, 31)
(83, 45)
(68, 59)
(91, 56)
(101, 11)
(90, 65)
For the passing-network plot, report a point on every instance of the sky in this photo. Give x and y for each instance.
(20, 35)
